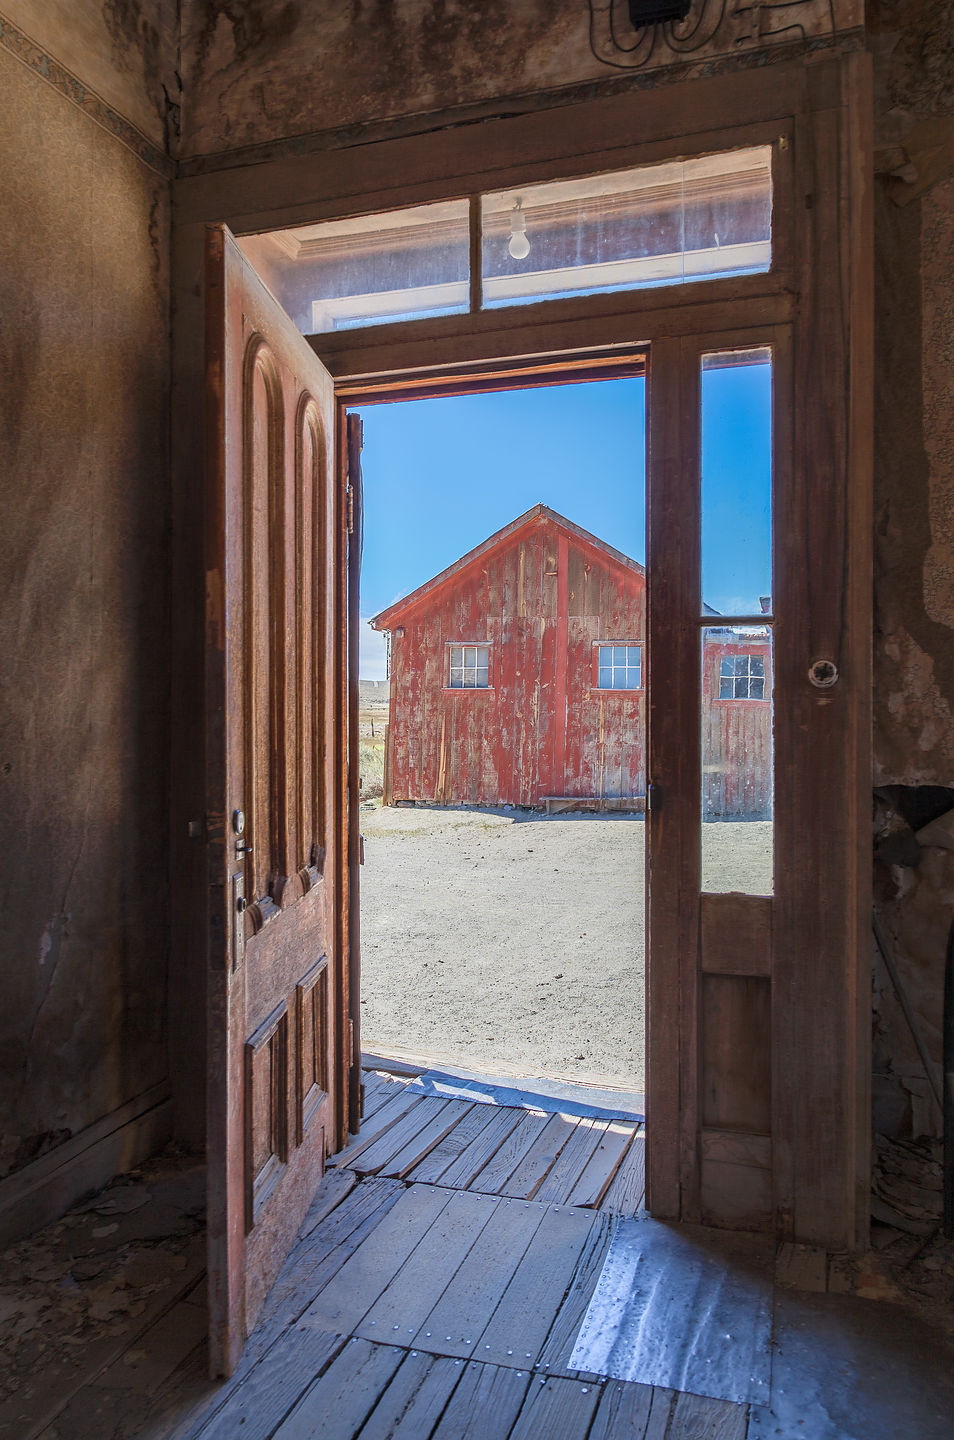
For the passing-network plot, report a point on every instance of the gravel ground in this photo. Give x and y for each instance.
(514, 941)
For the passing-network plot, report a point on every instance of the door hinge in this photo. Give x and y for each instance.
(349, 508)
(350, 1036)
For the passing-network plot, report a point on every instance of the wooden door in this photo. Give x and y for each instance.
(277, 1064)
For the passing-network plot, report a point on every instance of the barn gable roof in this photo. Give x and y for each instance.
(538, 515)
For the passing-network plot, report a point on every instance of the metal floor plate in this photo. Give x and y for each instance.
(686, 1308)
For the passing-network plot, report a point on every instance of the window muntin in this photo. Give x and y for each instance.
(468, 667)
(619, 667)
(742, 677)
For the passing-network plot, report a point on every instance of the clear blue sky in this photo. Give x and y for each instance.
(442, 475)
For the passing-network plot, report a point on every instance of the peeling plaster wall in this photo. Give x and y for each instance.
(913, 45)
(124, 50)
(84, 237)
(265, 70)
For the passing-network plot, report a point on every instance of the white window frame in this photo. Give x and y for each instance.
(470, 668)
(613, 666)
(748, 677)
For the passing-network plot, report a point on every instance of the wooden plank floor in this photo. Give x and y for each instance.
(436, 1291)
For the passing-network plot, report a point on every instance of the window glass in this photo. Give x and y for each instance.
(468, 667)
(619, 667)
(655, 225)
(737, 759)
(371, 269)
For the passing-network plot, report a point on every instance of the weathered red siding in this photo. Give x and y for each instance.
(543, 594)
(541, 599)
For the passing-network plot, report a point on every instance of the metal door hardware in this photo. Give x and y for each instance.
(823, 674)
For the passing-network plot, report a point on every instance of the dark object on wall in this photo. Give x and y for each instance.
(654, 12)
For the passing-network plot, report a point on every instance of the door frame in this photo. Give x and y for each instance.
(818, 117)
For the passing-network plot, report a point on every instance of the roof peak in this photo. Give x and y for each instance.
(537, 512)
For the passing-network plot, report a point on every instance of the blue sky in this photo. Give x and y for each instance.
(442, 475)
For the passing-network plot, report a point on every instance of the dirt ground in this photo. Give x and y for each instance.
(513, 941)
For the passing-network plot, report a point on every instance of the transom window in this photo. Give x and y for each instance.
(742, 677)
(660, 224)
(620, 667)
(468, 667)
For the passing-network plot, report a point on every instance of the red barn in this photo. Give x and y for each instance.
(518, 677)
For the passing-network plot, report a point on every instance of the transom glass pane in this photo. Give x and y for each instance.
(655, 225)
(371, 269)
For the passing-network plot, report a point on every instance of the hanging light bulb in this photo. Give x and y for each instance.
(518, 245)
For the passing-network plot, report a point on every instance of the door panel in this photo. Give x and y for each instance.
(274, 1078)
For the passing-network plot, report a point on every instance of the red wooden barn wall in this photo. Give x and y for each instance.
(736, 737)
(541, 599)
(542, 596)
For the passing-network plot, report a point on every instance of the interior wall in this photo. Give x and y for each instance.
(914, 535)
(84, 339)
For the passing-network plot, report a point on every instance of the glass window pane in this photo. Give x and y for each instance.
(619, 654)
(456, 677)
(655, 225)
(482, 675)
(606, 677)
(737, 483)
(369, 270)
(737, 765)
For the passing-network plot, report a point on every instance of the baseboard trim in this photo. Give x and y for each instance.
(45, 1189)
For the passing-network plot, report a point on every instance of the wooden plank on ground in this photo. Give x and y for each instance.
(501, 1165)
(473, 1159)
(600, 1169)
(638, 1412)
(572, 1160)
(540, 1158)
(314, 1262)
(431, 1169)
(417, 1287)
(485, 1404)
(377, 1092)
(415, 1399)
(697, 1417)
(424, 1142)
(338, 1404)
(528, 1307)
(559, 1343)
(387, 1116)
(464, 1310)
(628, 1187)
(398, 1136)
(557, 1409)
(268, 1393)
(348, 1297)
(335, 1186)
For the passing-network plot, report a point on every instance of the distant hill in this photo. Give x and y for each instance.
(374, 692)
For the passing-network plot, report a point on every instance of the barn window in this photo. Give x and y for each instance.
(469, 667)
(620, 667)
(742, 677)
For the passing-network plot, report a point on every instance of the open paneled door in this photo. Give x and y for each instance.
(276, 805)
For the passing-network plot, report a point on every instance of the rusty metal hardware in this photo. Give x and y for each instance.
(823, 674)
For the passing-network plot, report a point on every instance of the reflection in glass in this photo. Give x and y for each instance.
(656, 225)
(737, 759)
(369, 270)
(737, 483)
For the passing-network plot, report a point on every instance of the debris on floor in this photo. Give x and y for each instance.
(83, 1288)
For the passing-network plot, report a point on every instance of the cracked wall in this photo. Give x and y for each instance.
(84, 238)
